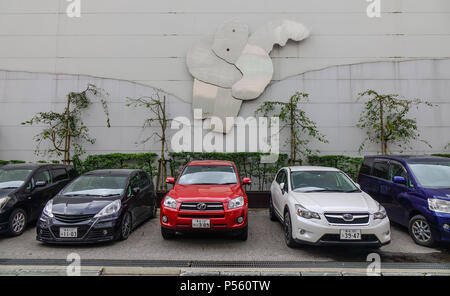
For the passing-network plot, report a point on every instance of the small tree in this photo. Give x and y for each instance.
(66, 131)
(157, 108)
(301, 127)
(384, 119)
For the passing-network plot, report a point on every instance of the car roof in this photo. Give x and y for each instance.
(33, 166)
(312, 168)
(211, 162)
(112, 172)
(411, 158)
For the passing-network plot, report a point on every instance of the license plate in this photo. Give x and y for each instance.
(351, 234)
(201, 223)
(68, 232)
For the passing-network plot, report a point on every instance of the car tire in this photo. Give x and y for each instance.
(243, 234)
(272, 215)
(154, 209)
(287, 227)
(17, 222)
(125, 226)
(167, 234)
(421, 232)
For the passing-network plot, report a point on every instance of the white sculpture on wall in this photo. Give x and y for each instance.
(231, 67)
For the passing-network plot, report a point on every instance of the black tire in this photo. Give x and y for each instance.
(243, 234)
(17, 222)
(154, 209)
(167, 234)
(125, 226)
(421, 232)
(287, 227)
(272, 215)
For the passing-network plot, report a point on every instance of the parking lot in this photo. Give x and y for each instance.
(265, 243)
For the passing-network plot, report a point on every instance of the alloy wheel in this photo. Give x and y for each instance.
(126, 226)
(18, 222)
(421, 231)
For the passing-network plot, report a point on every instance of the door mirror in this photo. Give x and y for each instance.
(170, 180)
(246, 181)
(399, 180)
(282, 187)
(40, 183)
(136, 190)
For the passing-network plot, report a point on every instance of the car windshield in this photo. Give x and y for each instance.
(322, 181)
(208, 175)
(13, 178)
(432, 174)
(96, 185)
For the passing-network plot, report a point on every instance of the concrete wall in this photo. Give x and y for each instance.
(139, 45)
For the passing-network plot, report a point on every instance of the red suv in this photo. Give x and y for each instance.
(208, 196)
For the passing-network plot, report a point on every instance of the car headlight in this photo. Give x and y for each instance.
(237, 202)
(48, 209)
(111, 209)
(439, 205)
(4, 201)
(170, 202)
(307, 214)
(380, 214)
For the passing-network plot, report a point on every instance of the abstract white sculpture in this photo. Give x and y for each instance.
(231, 67)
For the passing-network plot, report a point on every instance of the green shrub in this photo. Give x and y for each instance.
(347, 164)
(247, 163)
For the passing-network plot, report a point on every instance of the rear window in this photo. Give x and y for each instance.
(59, 175)
(380, 169)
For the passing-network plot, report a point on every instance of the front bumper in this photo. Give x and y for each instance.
(90, 231)
(441, 220)
(226, 220)
(319, 232)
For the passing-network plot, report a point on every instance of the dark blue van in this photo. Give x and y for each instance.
(415, 190)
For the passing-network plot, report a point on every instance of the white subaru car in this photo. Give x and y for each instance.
(323, 206)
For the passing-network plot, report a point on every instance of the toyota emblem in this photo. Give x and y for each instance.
(201, 206)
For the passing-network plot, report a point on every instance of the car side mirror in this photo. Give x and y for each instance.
(399, 180)
(136, 190)
(246, 181)
(40, 183)
(170, 180)
(282, 187)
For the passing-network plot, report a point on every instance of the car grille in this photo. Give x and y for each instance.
(72, 218)
(45, 233)
(200, 216)
(208, 206)
(353, 218)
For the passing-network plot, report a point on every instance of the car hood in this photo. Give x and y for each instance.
(80, 205)
(205, 192)
(441, 192)
(336, 202)
(5, 192)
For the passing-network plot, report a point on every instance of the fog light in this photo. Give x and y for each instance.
(302, 231)
(446, 226)
(240, 220)
(165, 219)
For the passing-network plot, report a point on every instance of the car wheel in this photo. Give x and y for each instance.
(17, 222)
(288, 231)
(420, 231)
(154, 209)
(167, 233)
(272, 214)
(125, 226)
(243, 234)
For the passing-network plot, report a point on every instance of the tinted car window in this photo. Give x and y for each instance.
(281, 177)
(144, 181)
(397, 169)
(43, 176)
(59, 175)
(366, 166)
(380, 169)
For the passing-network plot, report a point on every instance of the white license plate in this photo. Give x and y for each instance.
(350, 234)
(201, 223)
(68, 232)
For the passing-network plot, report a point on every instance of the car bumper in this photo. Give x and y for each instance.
(219, 221)
(91, 231)
(441, 221)
(375, 234)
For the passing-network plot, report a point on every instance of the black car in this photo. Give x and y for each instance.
(99, 206)
(24, 191)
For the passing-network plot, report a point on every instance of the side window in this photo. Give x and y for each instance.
(59, 175)
(380, 169)
(144, 180)
(42, 176)
(72, 173)
(396, 169)
(366, 166)
(278, 178)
